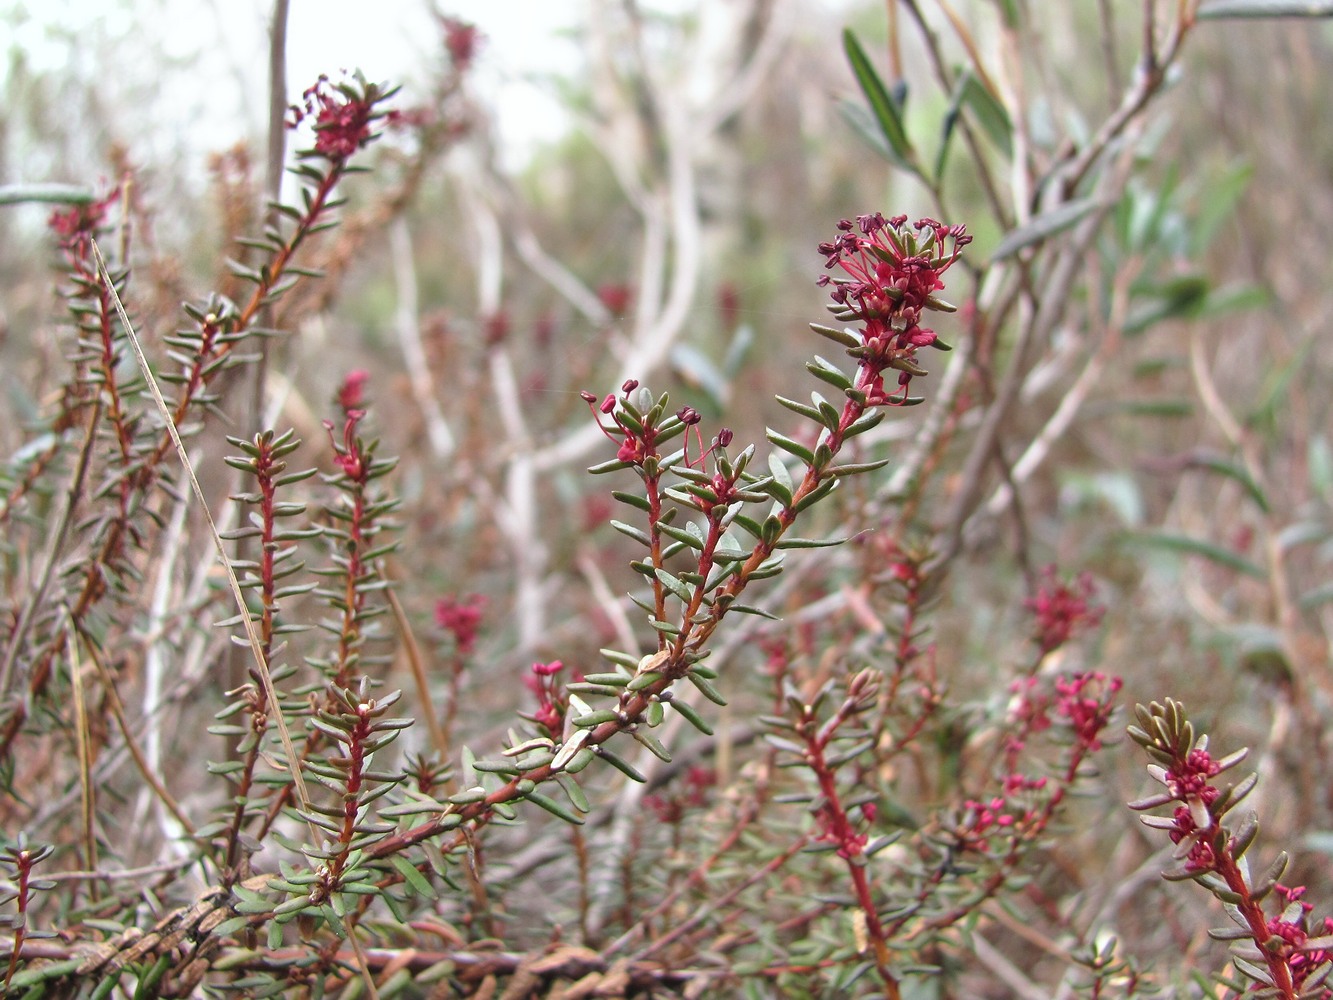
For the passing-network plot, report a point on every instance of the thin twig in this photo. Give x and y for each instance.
(53, 549)
(159, 610)
(408, 326)
(412, 650)
(147, 768)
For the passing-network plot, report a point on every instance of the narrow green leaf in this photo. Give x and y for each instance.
(990, 114)
(1179, 297)
(806, 411)
(746, 609)
(818, 493)
(1044, 226)
(596, 718)
(620, 764)
(576, 796)
(825, 371)
(653, 744)
(681, 535)
(633, 499)
(691, 716)
(632, 532)
(418, 882)
(674, 585)
(1215, 10)
(863, 123)
(555, 808)
(1198, 547)
(706, 689)
(864, 423)
(845, 337)
(1236, 471)
(855, 468)
(887, 112)
(790, 446)
(810, 543)
(1217, 205)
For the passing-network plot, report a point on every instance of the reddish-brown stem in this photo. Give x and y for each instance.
(839, 829)
(355, 766)
(1278, 968)
(23, 862)
(349, 636)
(256, 714)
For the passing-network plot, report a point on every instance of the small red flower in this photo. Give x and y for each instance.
(496, 328)
(637, 443)
(347, 454)
(1062, 610)
(351, 394)
(729, 306)
(462, 40)
(616, 298)
(75, 224)
(981, 821)
(461, 617)
(550, 705)
(597, 510)
(342, 121)
(1086, 700)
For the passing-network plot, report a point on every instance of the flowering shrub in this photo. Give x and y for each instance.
(807, 755)
(1276, 953)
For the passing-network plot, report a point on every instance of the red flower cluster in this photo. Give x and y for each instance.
(461, 39)
(1302, 954)
(836, 827)
(1062, 610)
(893, 275)
(75, 224)
(342, 120)
(983, 820)
(1191, 825)
(461, 617)
(1086, 700)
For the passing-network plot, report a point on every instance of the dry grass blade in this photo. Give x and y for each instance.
(86, 802)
